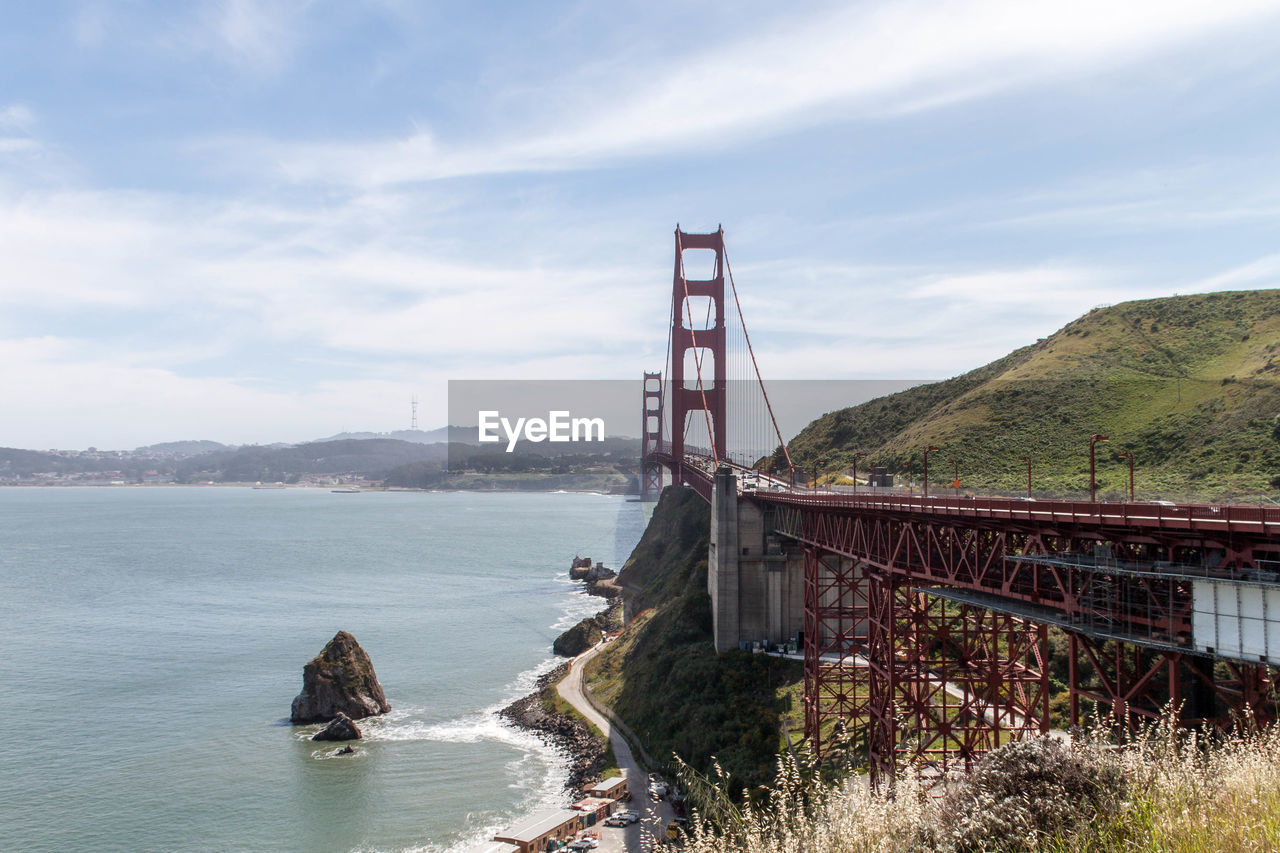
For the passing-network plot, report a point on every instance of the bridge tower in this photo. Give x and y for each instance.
(703, 393)
(651, 438)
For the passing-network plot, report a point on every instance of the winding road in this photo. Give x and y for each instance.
(654, 817)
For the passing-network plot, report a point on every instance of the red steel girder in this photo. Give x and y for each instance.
(835, 646)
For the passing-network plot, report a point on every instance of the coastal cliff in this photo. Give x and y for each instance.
(663, 677)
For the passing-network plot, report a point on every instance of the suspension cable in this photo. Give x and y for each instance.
(754, 364)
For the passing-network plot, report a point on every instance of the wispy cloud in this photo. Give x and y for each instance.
(1263, 272)
(178, 312)
(258, 34)
(17, 117)
(132, 405)
(869, 61)
(298, 273)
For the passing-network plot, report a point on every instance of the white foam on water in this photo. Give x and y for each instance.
(332, 751)
(474, 728)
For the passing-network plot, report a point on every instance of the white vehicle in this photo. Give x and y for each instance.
(623, 818)
(657, 791)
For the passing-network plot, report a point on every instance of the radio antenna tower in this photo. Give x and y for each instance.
(413, 418)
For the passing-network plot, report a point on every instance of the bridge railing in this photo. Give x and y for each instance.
(1223, 518)
(1201, 517)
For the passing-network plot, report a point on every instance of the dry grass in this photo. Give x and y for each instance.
(1193, 797)
(1168, 791)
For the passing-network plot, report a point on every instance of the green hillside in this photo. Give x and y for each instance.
(1187, 383)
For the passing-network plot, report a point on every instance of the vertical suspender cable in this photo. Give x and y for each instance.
(756, 366)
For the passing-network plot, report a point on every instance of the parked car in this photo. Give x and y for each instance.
(622, 818)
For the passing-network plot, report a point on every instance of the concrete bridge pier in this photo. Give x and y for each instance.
(756, 585)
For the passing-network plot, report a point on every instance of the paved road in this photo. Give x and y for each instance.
(654, 817)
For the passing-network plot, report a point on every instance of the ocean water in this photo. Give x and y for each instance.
(151, 640)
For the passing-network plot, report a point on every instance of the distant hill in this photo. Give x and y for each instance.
(1187, 383)
(372, 458)
(180, 448)
(433, 436)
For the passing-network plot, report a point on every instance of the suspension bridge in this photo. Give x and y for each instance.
(924, 619)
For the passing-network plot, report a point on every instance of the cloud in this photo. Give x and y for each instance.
(129, 405)
(1261, 273)
(18, 120)
(258, 33)
(330, 276)
(17, 117)
(865, 62)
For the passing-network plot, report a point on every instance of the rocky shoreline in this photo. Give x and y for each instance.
(570, 735)
(598, 581)
(537, 711)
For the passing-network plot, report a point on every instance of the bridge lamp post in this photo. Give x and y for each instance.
(816, 463)
(1027, 459)
(1093, 483)
(1128, 454)
(856, 457)
(926, 467)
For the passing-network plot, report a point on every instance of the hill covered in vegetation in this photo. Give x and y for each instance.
(663, 676)
(1188, 384)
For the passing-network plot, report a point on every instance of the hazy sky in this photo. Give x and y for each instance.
(256, 222)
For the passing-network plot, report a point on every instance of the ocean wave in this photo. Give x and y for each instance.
(537, 773)
(475, 728)
(525, 682)
(573, 617)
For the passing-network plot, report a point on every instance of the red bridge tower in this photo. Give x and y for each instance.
(704, 391)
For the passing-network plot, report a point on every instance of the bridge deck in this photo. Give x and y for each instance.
(1199, 518)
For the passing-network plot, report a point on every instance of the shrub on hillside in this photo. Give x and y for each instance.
(1023, 793)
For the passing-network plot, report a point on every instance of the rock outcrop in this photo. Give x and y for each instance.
(339, 680)
(578, 639)
(340, 727)
(579, 568)
(589, 631)
(600, 579)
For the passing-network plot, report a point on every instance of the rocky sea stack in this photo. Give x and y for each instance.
(339, 680)
(340, 727)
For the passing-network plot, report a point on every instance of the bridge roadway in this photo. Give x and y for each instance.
(1200, 518)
